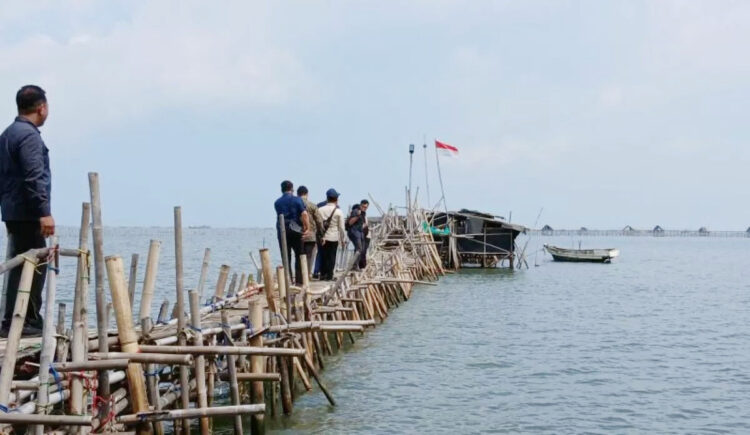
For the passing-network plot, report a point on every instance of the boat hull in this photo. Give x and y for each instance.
(582, 255)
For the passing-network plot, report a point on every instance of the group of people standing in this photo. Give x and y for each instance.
(317, 230)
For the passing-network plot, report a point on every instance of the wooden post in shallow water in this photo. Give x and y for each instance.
(221, 283)
(80, 311)
(232, 369)
(257, 362)
(48, 339)
(128, 336)
(267, 268)
(16, 328)
(149, 280)
(200, 360)
(132, 279)
(152, 373)
(204, 273)
(101, 300)
(181, 323)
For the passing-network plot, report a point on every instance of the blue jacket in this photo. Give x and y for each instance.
(291, 207)
(25, 177)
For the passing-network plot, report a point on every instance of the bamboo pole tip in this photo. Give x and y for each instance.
(110, 258)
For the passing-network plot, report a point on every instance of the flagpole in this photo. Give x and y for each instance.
(440, 177)
(426, 177)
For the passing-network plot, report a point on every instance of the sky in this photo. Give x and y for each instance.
(603, 114)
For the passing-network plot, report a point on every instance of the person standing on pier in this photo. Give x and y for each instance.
(310, 238)
(297, 222)
(363, 206)
(333, 225)
(355, 226)
(25, 191)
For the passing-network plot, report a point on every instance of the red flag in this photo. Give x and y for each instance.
(445, 149)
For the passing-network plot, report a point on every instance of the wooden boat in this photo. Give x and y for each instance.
(582, 255)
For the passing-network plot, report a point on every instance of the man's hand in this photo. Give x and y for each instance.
(47, 226)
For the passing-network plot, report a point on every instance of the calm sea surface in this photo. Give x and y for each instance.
(657, 342)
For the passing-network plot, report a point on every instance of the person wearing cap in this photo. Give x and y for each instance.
(25, 191)
(297, 223)
(333, 225)
(310, 238)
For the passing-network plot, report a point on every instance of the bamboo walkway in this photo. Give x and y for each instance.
(269, 339)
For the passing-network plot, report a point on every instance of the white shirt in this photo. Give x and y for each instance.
(336, 229)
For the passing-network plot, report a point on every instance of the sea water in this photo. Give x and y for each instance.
(656, 342)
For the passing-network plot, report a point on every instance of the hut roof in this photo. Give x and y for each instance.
(584, 229)
(703, 230)
(628, 228)
(549, 228)
(658, 229)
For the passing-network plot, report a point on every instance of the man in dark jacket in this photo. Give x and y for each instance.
(25, 190)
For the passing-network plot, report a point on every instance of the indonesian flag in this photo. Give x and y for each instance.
(445, 149)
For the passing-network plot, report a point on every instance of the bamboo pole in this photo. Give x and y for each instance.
(16, 327)
(80, 310)
(267, 268)
(220, 350)
(152, 376)
(67, 420)
(128, 336)
(143, 358)
(257, 362)
(178, 414)
(243, 283)
(133, 278)
(232, 369)
(79, 344)
(232, 285)
(48, 337)
(163, 310)
(204, 273)
(221, 283)
(149, 280)
(101, 300)
(105, 364)
(252, 377)
(286, 263)
(200, 360)
(60, 353)
(181, 323)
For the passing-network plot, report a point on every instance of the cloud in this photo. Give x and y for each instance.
(158, 57)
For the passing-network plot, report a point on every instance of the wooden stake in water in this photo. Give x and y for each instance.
(128, 336)
(149, 280)
(267, 269)
(200, 360)
(180, 306)
(153, 377)
(101, 300)
(132, 278)
(204, 273)
(257, 362)
(80, 310)
(48, 338)
(232, 369)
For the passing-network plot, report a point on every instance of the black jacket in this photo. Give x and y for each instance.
(25, 177)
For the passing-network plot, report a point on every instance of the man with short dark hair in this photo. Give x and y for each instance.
(296, 221)
(310, 238)
(25, 191)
